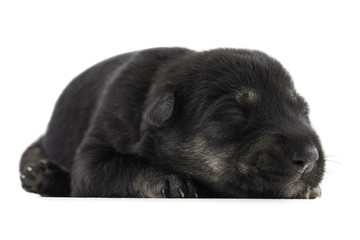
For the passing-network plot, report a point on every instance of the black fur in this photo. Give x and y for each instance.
(171, 122)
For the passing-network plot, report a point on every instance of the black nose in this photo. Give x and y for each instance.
(305, 159)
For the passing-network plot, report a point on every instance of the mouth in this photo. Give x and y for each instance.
(301, 173)
(298, 185)
(299, 178)
(291, 183)
(293, 188)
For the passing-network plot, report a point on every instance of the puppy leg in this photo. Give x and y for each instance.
(154, 183)
(102, 172)
(39, 175)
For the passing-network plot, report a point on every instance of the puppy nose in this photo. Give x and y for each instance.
(305, 159)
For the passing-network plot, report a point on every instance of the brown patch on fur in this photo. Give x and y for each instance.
(211, 158)
(247, 95)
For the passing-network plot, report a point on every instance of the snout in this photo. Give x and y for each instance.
(304, 160)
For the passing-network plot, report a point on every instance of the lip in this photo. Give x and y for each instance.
(309, 168)
(299, 177)
(293, 188)
(305, 170)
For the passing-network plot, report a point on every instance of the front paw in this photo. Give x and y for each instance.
(167, 186)
(313, 193)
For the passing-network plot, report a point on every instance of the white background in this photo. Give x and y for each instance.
(44, 44)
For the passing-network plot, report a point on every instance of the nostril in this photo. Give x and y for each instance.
(299, 159)
(299, 163)
(302, 159)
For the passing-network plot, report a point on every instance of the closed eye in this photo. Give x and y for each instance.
(232, 113)
(226, 108)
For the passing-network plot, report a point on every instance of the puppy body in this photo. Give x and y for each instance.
(171, 122)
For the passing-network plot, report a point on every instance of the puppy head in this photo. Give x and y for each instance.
(232, 120)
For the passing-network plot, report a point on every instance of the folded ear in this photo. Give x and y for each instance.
(160, 109)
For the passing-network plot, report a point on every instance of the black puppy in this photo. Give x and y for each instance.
(171, 122)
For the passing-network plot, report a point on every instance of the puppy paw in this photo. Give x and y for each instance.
(313, 193)
(168, 186)
(37, 177)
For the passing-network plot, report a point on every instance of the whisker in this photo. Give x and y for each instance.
(335, 156)
(327, 159)
(328, 171)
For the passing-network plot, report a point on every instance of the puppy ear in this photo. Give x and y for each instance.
(160, 109)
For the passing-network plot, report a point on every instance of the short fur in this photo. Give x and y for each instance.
(171, 122)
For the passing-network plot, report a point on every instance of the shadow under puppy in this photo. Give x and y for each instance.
(171, 122)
